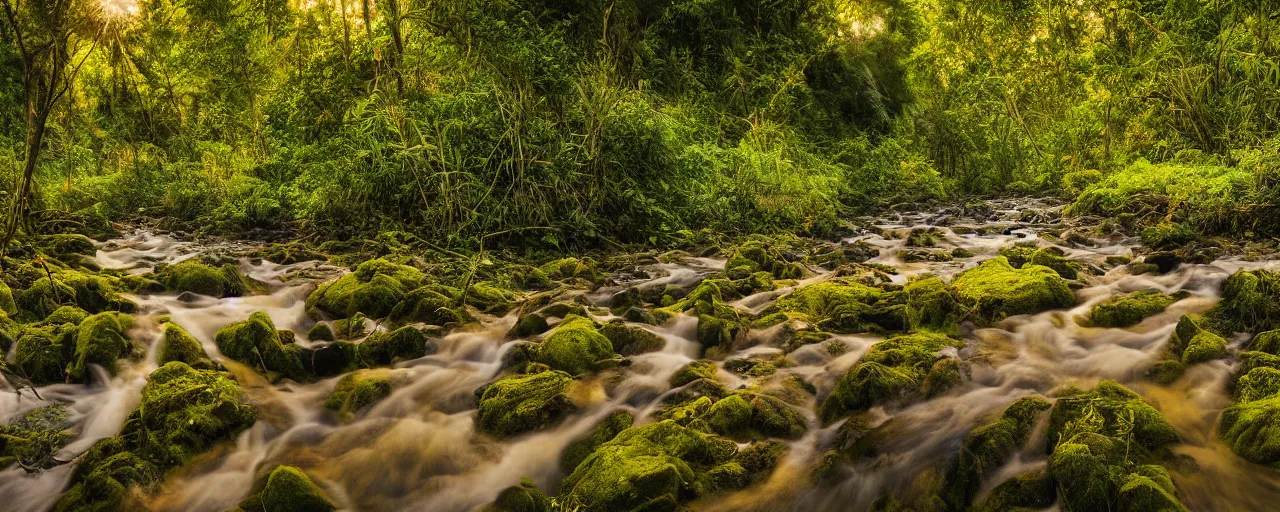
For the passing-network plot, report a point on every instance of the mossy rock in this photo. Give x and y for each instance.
(257, 343)
(1252, 430)
(321, 332)
(1053, 257)
(571, 268)
(1129, 309)
(1258, 384)
(92, 293)
(994, 290)
(1034, 490)
(357, 390)
(180, 346)
(43, 353)
(529, 324)
(67, 244)
(931, 304)
(403, 344)
(352, 328)
(989, 447)
(895, 369)
(7, 305)
(33, 438)
(653, 467)
(100, 340)
(431, 304)
(745, 415)
(288, 489)
(576, 347)
(521, 498)
(754, 256)
(603, 432)
(1085, 472)
(1192, 344)
(693, 370)
(1250, 302)
(197, 277)
(842, 306)
(630, 340)
(66, 315)
(183, 412)
(102, 479)
(524, 403)
(1115, 406)
(1141, 493)
(489, 298)
(375, 288)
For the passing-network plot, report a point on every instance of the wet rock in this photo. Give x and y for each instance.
(403, 344)
(1250, 302)
(576, 347)
(180, 346)
(1192, 344)
(893, 370)
(692, 371)
(524, 403)
(527, 325)
(375, 288)
(100, 340)
(1111, 402)
(629, 340)
(1165, 261)
(521, 498)
(196, 277)
(288, 489)
(989, 447)
(257, 343)
(43, 353)
(1129, 309)
(357, 390)
(995, 290)
(1034, 490)
(603, 432)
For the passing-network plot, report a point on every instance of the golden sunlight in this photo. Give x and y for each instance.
(119, 8)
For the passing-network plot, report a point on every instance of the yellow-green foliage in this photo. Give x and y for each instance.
(995, 290)
(989, 447)
(843, 306)
(894, 369)
(1117, 410)
(288, 489)
(576, 347)
(196, 277)
(524, 403)
(1200, 192)
(179, 345)
(1128, 309)
(655, 466)
(357, 390)
(754, 256)
(257, 343)
(7, 304)
(375, 288)
(100, 340)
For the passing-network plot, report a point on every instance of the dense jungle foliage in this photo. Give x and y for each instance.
(557, 123)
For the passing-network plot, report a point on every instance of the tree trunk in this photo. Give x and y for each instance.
(18, 208)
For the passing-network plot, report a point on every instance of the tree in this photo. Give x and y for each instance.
(49, 36)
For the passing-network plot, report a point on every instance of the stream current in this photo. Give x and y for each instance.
(419, 449)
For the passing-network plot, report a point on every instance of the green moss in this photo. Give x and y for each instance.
(196, 277)
(402, 344)
(357, 390)
(995, 290)
(1085, 477)
(184, 411)
(629, 341)
(33, 438)
(1129, 309)
(576, 347)
(180, 346)
(745, 415)
(66, 315)
(101, 480)
(1142, 494)
(1034, 490)
(352, 328)
(67, 244)
(490, 299)
(7, 305)
(1258, 384)
(931, 304)
(663, 463)
(1053, 258)
(321, 332)
(1192, 344)
(1252, 430)
(527, 325)
(693, 370)
(1267, 341)
(1114, 406)
(43, 353)
(289, 489)
(570, 268)
(524, 403)
(603, 432)
(835, 306)
(257, 343)
(894, 369)
(944, 375)
(430, 304)
(521, 498)
(375, 288)
(1250, 302)
(753, 256)
(100, 340)
(989, 447)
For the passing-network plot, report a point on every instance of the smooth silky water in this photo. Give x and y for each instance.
(419, 449)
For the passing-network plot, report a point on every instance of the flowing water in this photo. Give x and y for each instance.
(419, 449)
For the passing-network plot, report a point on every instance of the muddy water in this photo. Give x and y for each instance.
(419, 448)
